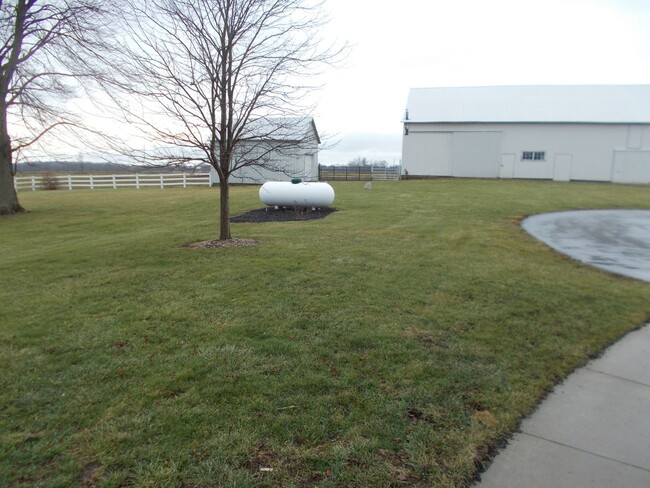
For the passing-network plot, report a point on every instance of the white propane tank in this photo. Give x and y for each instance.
(302, 194)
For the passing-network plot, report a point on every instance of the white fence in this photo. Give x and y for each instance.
(383, 173)
(91, 182)
(358, 173)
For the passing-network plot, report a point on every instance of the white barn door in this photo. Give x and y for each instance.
(562, 167)
(507, 165)
(307, 170)
(428, 153)
(477, 154)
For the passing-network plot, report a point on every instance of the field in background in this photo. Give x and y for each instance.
(394, 343)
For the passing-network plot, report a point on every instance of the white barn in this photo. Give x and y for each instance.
(591, 133)
(287, 148)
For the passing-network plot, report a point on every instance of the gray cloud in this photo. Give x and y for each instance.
(374, 146)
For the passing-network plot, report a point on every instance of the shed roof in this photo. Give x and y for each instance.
(600, 104)
(290, 129)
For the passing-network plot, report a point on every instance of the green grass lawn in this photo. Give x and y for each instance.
(395, 343)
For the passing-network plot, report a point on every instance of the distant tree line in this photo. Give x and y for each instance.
(363, 161)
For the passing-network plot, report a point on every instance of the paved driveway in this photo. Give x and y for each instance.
(614, 240)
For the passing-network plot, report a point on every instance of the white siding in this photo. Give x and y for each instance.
(589, 148)
(303, 166)
(476, 154)
(631, 167)
(634, 136)
(562, 167)
(429, 153)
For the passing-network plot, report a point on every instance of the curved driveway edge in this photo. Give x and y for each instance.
(614, 240)
(594, 429)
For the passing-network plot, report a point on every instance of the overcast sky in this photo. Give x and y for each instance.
(434, 43)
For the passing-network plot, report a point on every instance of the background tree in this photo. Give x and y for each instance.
(363, 161)
(46, 47)
(359, 161)
(220, 81)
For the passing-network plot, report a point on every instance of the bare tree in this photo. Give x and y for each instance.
(45, 48)
(360, 161)
(222, 82)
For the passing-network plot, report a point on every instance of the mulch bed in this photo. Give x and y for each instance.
(270, 214)
(235, 242)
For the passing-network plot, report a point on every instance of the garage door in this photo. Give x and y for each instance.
(428, 153)
(477, 154)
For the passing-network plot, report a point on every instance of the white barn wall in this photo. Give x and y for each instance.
(303, 166)
(588, 148)
(288, 145)
(631, 166)
(476, 154)
(428, 153)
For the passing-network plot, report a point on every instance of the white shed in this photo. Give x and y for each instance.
(591, 133)
(276, 149)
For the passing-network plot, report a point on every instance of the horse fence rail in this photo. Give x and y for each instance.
(92, 182)
(358, 173)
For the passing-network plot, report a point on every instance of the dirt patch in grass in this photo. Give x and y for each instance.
(400, 468)
(88, 474)
(236, 242)
(262, 461)
(282, 214)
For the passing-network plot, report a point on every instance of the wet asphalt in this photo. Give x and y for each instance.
(617, 241)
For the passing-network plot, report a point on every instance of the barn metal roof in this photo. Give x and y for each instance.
(282, 129)
(600, 104)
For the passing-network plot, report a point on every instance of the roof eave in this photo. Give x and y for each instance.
(525, 122)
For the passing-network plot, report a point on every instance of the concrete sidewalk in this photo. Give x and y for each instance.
(594, 429)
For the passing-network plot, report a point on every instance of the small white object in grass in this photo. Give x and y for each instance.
(368, 186)
(266, 470)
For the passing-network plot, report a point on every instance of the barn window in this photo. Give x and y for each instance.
(533, 156)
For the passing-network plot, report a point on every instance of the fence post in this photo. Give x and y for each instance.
(33, 183)
(69, 182)
(137, 180)
(162, 183)
(184, 180)
(92, 182)
(114, 185)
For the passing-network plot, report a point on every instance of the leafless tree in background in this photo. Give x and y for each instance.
(221, 81)
(46, 47)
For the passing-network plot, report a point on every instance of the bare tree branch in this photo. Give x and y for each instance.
(47, 49)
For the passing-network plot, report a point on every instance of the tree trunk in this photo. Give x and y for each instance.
(8, 197)
(224, 221)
